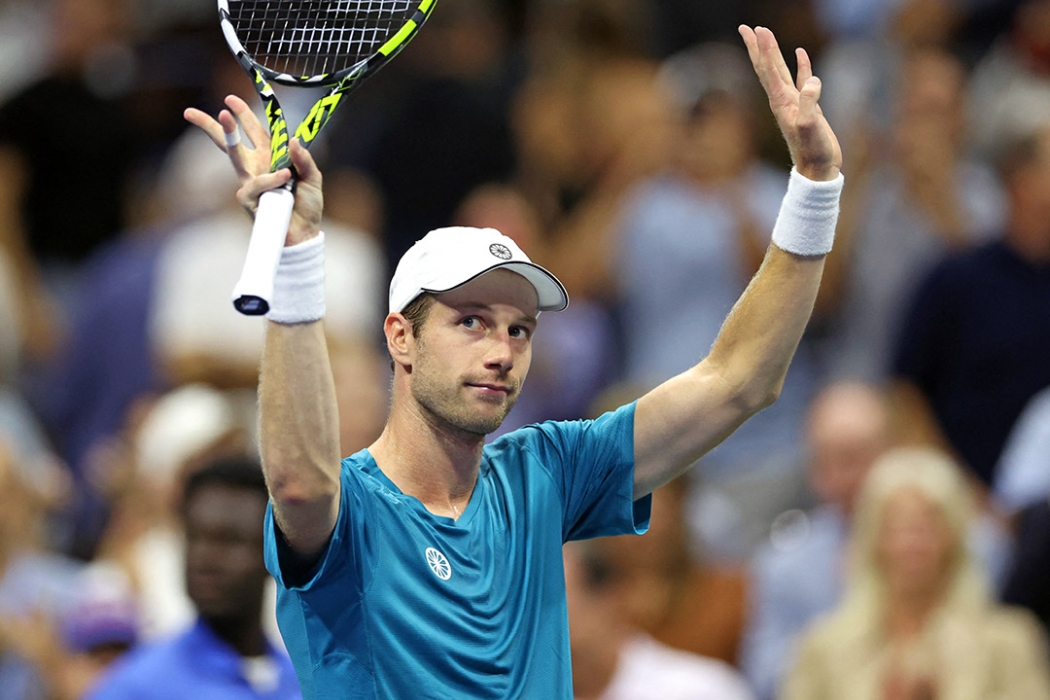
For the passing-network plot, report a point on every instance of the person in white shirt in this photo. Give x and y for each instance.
(613, 661)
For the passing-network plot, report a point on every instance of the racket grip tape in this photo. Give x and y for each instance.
(253, 294)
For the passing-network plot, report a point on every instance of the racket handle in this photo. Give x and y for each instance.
(254, 291)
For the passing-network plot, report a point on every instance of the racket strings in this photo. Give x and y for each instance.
(316, 37)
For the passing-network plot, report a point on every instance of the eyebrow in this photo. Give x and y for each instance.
(477, 305)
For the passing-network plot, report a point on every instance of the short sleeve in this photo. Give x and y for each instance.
(592, 466)
(341, 557)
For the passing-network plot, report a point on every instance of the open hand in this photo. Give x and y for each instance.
(251, 162)
(814, 148)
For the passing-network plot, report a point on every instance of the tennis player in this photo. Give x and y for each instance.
(429, 565)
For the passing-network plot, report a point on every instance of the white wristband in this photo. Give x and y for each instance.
(808, 214)
(298, 287)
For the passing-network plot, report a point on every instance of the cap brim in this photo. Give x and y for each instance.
(550, 292)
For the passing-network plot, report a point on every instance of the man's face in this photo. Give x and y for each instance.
(473, 352)
(225, 572)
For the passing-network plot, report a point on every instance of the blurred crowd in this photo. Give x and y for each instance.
(882, 532)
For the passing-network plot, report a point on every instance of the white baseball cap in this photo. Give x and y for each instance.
(447, 258)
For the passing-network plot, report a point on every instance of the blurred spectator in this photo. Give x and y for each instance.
(589, 121)
(35, 584)
(620, 120)
(96, 377)
(612, 661)
(977, 334)
(20, 428)
(71, 115)
(225, 654)
(868, 41)
(167, 438)
(662, 587)
(24, 43)
(1021, 476)
(435, 125)
(1029, 579)
(917, 621)
(909, 202)
(1011, 83)
(798, 574)
(96, 627)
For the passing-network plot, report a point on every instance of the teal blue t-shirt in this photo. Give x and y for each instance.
(407, 604)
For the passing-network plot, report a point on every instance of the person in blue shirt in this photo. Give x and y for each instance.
(225, 655)
(429, 565)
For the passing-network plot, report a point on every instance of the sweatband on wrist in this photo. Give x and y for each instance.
(808, 214)
(298, 286)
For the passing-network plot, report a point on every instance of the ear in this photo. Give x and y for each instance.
(400, 342)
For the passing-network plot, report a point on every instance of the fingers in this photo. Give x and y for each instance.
(795, 104)
(748, 35)
(206, 124)
(771, 50)
(771, 56)
(224, 133)
(808, 110)
(755, 52)
(255, 131)
(805, 68)
(767, 60)
(248, 195)
(305, 166)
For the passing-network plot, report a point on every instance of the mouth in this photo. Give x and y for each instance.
(491, 389)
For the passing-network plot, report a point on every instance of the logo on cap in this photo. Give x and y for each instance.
(501, 251)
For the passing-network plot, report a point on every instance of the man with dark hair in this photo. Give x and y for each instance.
(225, 655)
(976, 338)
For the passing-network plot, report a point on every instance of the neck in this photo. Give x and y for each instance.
(246, 636)
(907, 615)
(429, 460)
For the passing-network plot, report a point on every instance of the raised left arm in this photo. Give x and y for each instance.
(686, 416)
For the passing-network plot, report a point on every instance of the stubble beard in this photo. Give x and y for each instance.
(445, 404)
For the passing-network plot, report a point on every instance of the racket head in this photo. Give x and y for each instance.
(319, 42)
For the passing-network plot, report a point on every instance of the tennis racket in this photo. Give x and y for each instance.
(333, 44)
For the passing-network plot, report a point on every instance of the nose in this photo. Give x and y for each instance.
(499, 354)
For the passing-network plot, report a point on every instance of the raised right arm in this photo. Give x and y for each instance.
(298, 416)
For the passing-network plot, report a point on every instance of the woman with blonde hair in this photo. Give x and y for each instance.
(917, 621)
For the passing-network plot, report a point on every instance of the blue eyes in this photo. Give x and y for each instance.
(473, 323)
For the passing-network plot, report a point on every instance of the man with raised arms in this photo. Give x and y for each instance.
(429, 565)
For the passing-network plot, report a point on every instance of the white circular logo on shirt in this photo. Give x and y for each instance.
(439, 564)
